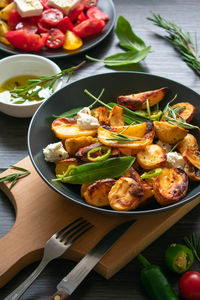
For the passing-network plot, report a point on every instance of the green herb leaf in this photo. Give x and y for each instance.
(126, 58)
(90, 172)
(193, 242)
(15, 176)
(69, 114)
(127, 38)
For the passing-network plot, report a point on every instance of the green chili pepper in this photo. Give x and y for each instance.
(154, 281)
(99, 157)
(179, 258)
(152, 173)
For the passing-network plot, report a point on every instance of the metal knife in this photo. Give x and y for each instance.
(69, 283)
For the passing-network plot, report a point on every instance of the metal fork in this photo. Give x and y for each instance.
(54, 248)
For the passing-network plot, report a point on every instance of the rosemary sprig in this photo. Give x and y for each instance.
(15, 176)
(193, 242)
(172, 116)
(122, 138)
(182, 41)
(33, 87)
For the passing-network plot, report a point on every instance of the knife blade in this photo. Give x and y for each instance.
(69, 283)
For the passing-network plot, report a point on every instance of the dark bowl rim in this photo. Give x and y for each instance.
(84, 204)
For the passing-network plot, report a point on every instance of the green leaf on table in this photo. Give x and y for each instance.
(127, 38)
(91, 172)
(126, 58)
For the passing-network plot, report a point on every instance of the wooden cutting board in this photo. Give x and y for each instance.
(40, 212)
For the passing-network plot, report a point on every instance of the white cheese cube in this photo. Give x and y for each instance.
(28, 8)
(86, 121)
(65, 5)
(55, 152)
(175, 160)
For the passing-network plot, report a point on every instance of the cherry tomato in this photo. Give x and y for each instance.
(89, 3)
(28, 27)
(51, 16)
(73, 15)
(56, 38)
(14, 19)
(89, 27)
(81, 17)
(96, 13)
(189, 285)
(43, 28)
(65, 24)
(27, 41)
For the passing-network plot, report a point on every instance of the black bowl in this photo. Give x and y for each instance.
(106, 6)
(72, 96)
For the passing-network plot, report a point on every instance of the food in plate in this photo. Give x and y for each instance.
(126, 158)
(30, 25)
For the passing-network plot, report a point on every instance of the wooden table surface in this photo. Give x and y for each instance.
(163, 61)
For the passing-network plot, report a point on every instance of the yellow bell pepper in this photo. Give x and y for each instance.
(72, 41)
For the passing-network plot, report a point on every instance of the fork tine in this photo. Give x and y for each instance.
(61, 237)
(80, 234)
(66, 227)
(76, 233)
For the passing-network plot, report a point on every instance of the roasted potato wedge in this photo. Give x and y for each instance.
(67, 128)
(193, 157)
(116, 117)
(102, 115)
(4, 3)
(83, 189)
(62, 165)
(188, 143)
(169, 133)
(4, 40)
(137, 133)
(187, 112)
(151, 157)
(72, 145)
(137, 101)
(192, 172)
(3, 28)
(6, 11)
(170, 186)
(125, 194)
(96, 194)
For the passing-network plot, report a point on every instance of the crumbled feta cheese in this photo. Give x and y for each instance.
(65, 5)
(28, 8)
(84, 110)
(175, 160)
(86, 121)
(165, 146)
(5, 97)
(55, 152)
(44, 93)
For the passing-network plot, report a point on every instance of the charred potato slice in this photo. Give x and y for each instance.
(6, 11)
(188, 143)
(67, 128)
(116, 117)
(137, 101)
(188, 111)
(192, 172)
(170, 186)
(96, 194)
(193, 157)
(153, 156)
(169, 133)
(72, 145)
(62, 165)
(135, 132)
(125, 194)
(4, 3)
(103, 115)
(3, 28)
(4, 40)
(83, 189)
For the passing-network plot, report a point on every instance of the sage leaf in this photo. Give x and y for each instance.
(91, 172)
(69, 114)
(126, 58)
(127, 38)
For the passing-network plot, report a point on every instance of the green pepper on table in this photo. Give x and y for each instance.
(154, 281)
